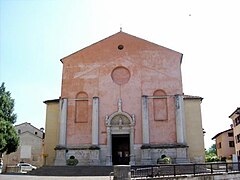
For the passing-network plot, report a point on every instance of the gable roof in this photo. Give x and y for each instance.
(237, 111)
(28, 124)
(221, 133)
(115, 35)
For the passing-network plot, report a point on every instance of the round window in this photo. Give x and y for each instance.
(120, 75)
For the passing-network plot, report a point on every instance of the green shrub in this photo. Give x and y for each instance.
(72, 161)
(212, 158)
(167, 160)
(164, 160)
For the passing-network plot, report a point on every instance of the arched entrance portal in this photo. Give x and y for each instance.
(120, 137)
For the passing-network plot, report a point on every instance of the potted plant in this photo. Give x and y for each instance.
(72, 161)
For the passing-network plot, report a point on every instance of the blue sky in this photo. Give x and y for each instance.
(36, 34)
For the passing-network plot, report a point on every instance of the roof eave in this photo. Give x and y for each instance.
(237, 111)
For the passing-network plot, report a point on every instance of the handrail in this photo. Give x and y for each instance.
(184, 169)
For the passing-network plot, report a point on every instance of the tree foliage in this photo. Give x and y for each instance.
(9, 139)
(211, 154)
(212, 149)
(6, 106)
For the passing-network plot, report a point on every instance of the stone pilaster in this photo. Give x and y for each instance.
(109, 147)
(180, 120)
(145, 123)
(63, 122)
(132, 152)
(60, 158)
(95, 120)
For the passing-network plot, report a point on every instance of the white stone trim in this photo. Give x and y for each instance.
(145, 123)
(120, 128)
(180, 120)
(95, 120)
(63, 122)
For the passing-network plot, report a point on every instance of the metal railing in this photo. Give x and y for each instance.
(12, 169)
(184, 169)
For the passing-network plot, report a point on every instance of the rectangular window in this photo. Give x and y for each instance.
(237, 121)
(219, 145)
(237, 138)
(231, 143)
(230, 134)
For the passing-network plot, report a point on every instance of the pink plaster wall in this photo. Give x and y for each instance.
(151, 67)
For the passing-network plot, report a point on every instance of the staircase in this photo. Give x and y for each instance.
(72, 171)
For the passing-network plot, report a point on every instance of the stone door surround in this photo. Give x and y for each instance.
(120, 123)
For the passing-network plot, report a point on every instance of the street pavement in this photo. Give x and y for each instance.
(27, 177)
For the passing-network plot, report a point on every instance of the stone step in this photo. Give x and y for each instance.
(72, 171)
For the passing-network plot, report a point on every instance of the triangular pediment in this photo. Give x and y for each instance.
(119, 44)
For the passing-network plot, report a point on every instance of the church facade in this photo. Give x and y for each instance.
(122, 102)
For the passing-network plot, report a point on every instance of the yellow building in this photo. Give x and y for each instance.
(52, 131)
(194, 129)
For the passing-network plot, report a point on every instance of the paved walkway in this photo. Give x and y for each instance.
(26, 177)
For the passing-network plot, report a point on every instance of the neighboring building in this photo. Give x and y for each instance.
(194, 130)
(225, 144)
(122, 102)
(52, 131)
(30, 148)
(235, 116)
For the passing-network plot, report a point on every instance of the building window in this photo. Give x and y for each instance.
(19, 131)
(231, 143)
(219, 146)
(35, 133)
(230, 134)
(237, 121)
(237, 138)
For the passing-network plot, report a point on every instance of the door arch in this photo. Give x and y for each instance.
(120, 124)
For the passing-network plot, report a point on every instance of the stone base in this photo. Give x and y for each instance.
(151, 153)
(146, 158)
(181, 156)
(60, 159)
(86, 155)
(142, 155)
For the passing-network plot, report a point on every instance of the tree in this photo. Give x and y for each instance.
(9, 139)
(212, 149)
(6, 106)
(211, 154)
